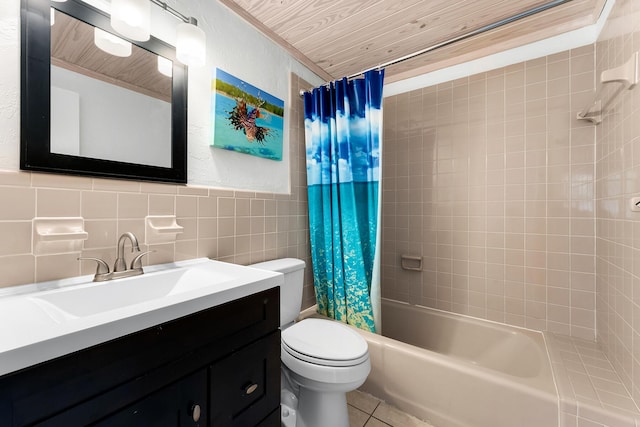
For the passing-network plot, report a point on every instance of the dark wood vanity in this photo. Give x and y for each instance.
(216, 367)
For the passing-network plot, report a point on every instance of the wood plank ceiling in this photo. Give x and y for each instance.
(337, 38)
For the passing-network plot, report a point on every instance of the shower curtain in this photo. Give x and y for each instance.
(343, 133)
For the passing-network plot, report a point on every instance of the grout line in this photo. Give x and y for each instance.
(378, 419)
(368, 419)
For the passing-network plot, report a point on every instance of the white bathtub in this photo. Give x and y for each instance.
(458, 371)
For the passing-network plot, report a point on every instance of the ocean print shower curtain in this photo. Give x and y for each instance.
(343, 132)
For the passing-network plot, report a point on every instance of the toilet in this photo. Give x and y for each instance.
(322, 359)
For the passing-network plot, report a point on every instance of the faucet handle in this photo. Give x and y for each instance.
(137, 261)
(102, 269)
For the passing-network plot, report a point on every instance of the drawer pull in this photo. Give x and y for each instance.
(250, 389)
(195, 412)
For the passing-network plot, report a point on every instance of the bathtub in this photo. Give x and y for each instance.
(457, 371)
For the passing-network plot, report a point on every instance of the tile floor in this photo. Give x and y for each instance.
(368, 411)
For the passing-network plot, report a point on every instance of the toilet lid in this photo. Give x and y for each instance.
(325, 342)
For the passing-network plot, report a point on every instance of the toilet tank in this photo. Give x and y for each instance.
(291, 290)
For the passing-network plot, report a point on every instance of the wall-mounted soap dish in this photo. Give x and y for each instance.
(56, 235)
(161, 229)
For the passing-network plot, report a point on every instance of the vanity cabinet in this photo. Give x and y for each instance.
(179, 404)
(217, 367)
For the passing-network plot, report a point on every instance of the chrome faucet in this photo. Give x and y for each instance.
(120, 267)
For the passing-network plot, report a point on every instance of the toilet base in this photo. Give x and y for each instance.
(287, 416)
(288, 403)
(322, 409)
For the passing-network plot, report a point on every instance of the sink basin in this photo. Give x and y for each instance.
(95, 298)
(42, 321)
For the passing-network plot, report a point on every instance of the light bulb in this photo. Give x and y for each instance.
(111, 44)
(191, 44)
(165, 66)
(132, 18)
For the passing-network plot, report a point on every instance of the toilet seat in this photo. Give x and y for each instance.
(325, 342)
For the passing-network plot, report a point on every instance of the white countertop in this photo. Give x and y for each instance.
(30, 335)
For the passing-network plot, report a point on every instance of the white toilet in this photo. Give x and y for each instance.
(321, 359)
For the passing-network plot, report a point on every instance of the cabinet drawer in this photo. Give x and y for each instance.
(183, 404)
(246, 385)
(272, 420)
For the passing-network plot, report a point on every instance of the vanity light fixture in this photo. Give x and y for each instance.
(111, 44)
(60, 1)
(191, 43)
(165, 66)
(132, 19)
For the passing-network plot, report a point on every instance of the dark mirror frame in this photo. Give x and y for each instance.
(35, 100)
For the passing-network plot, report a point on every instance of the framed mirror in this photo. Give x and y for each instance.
(95, 103)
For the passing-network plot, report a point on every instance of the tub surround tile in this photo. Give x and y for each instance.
(494, 173)
(581, 422)
(588, 386)
(616, 168)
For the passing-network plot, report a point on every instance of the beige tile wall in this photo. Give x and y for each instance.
(236, 226)
(618, 179)
(490, 179)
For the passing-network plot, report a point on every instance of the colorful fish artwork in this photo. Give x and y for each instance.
(245, 118)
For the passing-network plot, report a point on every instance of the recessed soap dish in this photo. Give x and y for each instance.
(56, 235)
(161, 229)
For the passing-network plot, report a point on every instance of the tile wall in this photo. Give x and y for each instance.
(235, 226)
(490, 179)
(617, 180)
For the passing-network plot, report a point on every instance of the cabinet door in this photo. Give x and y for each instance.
(245, 386)
(181, 404)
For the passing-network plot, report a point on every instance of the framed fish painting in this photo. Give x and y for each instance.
(245, 118)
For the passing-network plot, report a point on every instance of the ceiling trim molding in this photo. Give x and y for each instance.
(295, 53)
(560, 43)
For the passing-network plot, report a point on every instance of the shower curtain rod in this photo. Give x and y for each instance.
(464, 36)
